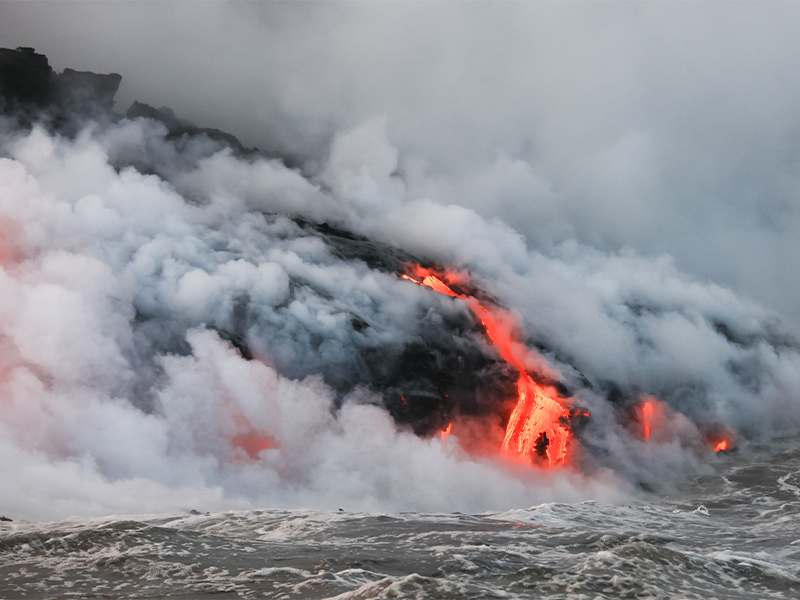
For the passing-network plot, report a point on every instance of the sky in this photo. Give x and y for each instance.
(666, 128)
(621, 176)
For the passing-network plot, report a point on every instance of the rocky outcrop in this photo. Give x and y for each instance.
(81, 89)
(25, 77)
(178, 127)
(31, 91)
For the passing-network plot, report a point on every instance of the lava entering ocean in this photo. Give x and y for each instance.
(647, 413)
(179, 321)
(538, 426)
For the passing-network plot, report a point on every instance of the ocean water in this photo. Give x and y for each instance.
(731, 534)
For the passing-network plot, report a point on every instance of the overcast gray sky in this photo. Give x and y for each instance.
(662, 127)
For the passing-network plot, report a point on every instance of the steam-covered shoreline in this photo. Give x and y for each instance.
(399, 300)
(188, 323)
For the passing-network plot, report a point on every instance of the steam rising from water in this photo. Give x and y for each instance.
(131, 262)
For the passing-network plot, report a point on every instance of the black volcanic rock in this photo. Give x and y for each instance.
(178, 128)
(78, 90)
(25, 77)
(163, 115)
(349, 246)
(31, 91)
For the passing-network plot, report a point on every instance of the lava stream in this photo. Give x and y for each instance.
(647, 413)
(447, 431)
(536, 427)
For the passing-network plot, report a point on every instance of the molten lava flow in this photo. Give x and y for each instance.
(536, 428)
(447, 431)
(437, 284)
(647, 413)
(723, 445)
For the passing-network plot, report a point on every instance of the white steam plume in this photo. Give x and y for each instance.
(661, 127)
(118, 392)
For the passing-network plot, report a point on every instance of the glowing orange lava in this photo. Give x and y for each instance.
(447, 431)
(647, 413)
(248, 438)
(253, 443)
(537, 426)
(723, 445)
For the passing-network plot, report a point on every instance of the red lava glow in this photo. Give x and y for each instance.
(647, 413)
(720, 439)
(253, 443)
(9, 251)
(5, 248)
(447, 431)
(536, 428)
(248, 438)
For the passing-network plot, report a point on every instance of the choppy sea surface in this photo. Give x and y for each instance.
(732, 534)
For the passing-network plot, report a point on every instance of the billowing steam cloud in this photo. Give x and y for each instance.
(667, 127)
(183, 324)
(120, 395)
